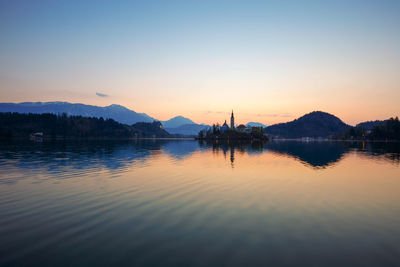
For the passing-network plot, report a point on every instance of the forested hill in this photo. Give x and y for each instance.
(314, 124)
(368, 125)
(383, 131)
(16, 125)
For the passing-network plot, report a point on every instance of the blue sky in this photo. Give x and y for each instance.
(201, 58)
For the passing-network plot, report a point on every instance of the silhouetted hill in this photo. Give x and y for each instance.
(62, 126)
(314, 124)
(176, 122)
(368, 125)
(145, 129)
(116, 112)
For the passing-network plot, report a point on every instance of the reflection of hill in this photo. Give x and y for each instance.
(316, 154)
(72, 159)
(180, 149)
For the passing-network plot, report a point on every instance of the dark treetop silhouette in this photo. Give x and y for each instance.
(15, 125)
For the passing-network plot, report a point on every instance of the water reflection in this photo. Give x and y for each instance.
(188, 203)
(312, 154)
(70, 159)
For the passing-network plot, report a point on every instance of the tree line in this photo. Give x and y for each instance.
(18, 125)
(389, 130)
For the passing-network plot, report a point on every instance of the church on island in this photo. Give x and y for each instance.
(225, 126)
(230, 132)
(241, 128)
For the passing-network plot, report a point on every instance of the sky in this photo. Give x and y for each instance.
(269, 61)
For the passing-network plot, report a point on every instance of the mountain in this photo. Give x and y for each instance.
(187, 129)
(116, 112)
(368, 125)
(255, 124)
(314, 124)
(176, 122)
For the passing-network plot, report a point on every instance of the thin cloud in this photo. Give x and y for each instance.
(213, 112)
(271, 115)
(101, 95)
(274, 115)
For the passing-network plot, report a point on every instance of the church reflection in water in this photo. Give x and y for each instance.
(120, 155)
(313, 154)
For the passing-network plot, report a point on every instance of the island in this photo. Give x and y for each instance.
(232, 133)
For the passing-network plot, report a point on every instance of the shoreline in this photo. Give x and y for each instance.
(49, 139)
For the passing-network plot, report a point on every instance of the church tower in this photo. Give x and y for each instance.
(232, 121)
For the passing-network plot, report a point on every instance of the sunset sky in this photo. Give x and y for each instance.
(269, 61)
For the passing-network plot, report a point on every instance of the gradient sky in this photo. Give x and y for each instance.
(270, 61)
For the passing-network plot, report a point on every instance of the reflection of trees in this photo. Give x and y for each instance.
(314, 154)
(389, 151)
(69, 159)
(66, 159)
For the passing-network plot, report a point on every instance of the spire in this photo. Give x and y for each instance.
(232, 121)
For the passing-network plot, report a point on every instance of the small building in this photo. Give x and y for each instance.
(36, 137)
(257, 129)
(247, 130)
(241, 128)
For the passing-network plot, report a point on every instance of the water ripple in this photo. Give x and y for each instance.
(163, 204)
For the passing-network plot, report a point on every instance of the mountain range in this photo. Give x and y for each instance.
(176, 125)
(256, 124)
(116, 112)
(314, 124)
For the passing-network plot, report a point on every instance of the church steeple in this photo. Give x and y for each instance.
(232, 121)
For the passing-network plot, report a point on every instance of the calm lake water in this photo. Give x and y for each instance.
(184, 203)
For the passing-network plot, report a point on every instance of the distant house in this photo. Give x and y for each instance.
(257, 130)
(241, 128)
(36, 137)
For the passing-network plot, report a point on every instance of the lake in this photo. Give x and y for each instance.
(186, 203)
